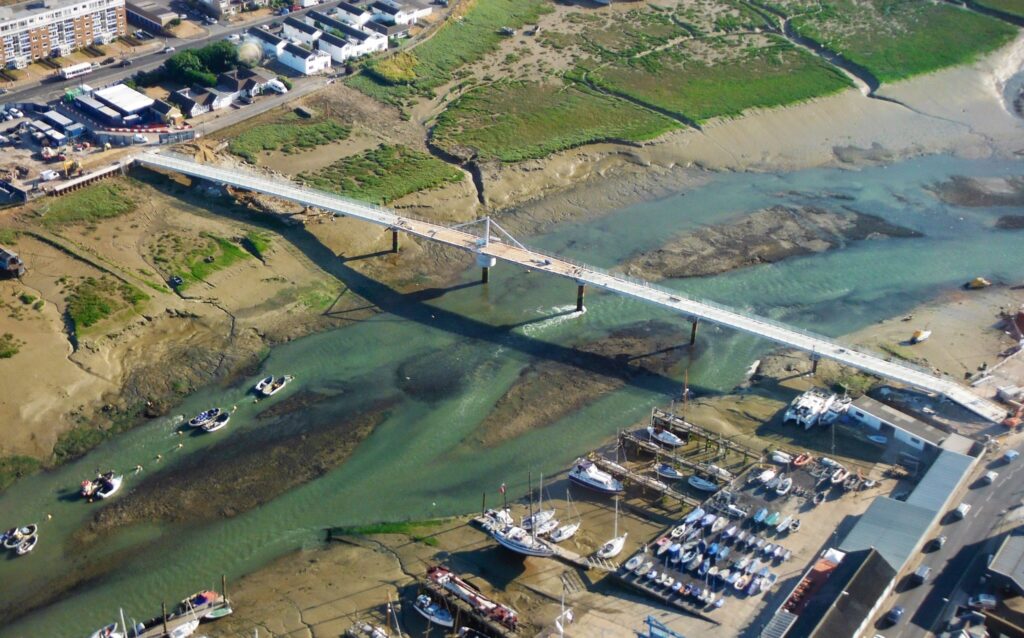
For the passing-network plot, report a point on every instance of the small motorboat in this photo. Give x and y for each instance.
(204, 417)
(662, 544)
(634, 562)
(664, 437)
(773, 519)
(694, 516)
(713, 572)
(219, 612)
(781, 527)
(779, 551)
(755, 586)
(109, 631)
(782, 458)
(919, 336)
(664, 470)
(702, 484)
(433, 612)
(794, 527)
(263, 384)
(819, 498)
(742, 536)
(217, 423)
(760, 515)
(687, 556)
(741, 582)
(802, 460)
(678, 531)
(103, 486)
(784, 486)
(723, 553)
(759, 545)
(766, 476)
(565, 532)
(695, 562)
(719, 524)
(768, 549)
(27, 545)
(787, 555)
(586, 473)
(276, 386)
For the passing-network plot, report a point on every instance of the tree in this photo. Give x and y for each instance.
(218, 57)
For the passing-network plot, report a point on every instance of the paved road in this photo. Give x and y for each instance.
(959, 565)
(46, 91)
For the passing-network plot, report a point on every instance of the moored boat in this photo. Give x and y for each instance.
(663, 436)
(565, 532)
(782, 458)
(794, 527)
(586, 474)
(217, 423)
(702, 484)
(521, 541)
(839, 475)
(103, 486)
(784, 486)
(27, 545)
(204, 417)
(263, 383)
(665, 470)
(773, 519)
(802, 459)
(919, 336)
(108, 631)
(276, 385)
(433, 612)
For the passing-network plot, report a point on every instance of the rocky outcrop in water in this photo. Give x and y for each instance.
(764, 236)
(978, 192)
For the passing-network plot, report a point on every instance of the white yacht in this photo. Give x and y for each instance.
(586, 474)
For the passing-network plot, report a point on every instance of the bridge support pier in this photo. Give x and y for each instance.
(485, 274)
(814, 365)
(394, 240)
(693, 331)
(580, 290)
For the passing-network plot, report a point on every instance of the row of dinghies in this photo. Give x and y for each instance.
(216, 418)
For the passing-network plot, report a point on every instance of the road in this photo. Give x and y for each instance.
(46, 91)
(958, 567)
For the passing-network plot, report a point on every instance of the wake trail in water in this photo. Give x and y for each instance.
(561, 315)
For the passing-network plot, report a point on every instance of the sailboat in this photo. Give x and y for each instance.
(541, 516)
(522, 541)
(565, 532)
(613, 547)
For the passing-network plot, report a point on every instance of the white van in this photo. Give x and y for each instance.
(961, 510)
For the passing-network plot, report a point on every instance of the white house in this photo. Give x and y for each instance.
(298, 31)
(890, 422)
(272, 45)
(305, 62)
(390, 12)
(342, 49)
(348, 12)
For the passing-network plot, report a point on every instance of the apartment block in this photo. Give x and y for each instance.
(40, 29)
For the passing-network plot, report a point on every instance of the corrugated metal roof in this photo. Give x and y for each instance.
(941, 480)
(892, 527)
(1009, 560)
(779, 624)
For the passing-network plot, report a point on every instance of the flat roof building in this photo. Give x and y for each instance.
(149, 14)
(35, 30)
(890, 421)
(124, 99)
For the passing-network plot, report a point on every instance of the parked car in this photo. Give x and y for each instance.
(176, 281)
(16, 112)
(126, 62)
(982, 601)
(989, 478)
(1010, 456)
(168, 49)
(921, 575)
(961, 511)
(894, 615)
(937, 543)
(234, 37)
(49, 176)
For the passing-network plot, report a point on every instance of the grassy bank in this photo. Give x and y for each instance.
(90, 204)
(93, 299)
(747, 72)
(413, 529)
(196, 257)
(1011, 7)
(288, 134)
(897, 39)
(462, 40)
(383, 174)
(513, 121)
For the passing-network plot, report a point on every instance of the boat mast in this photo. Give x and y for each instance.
(123, 625)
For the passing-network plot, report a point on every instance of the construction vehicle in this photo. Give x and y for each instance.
(1013, 421)
(72, 167)
(51, 154)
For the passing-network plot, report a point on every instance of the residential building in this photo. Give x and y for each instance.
(196, 101)
(149, 15)
(35, 30)
(354, 44)
(167, 112)
(304, 61)
(389, 31)
(272, 45)
(323, 21)
(243, 82)
(298, 31)
(348, 12)
(393, 13)
(217, 8)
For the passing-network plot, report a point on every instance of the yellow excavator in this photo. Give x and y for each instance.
(72, 167)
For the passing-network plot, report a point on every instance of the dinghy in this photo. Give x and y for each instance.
(741, 582)
(819, 498)
(27, 545)
(784, 486)
(678, 531)
(773, 519)
(781, 527)
(103, 486)
(840, 475)
(780, 457)
(802, 460)
(634, 562)
(217, 423)
(760, 515)
(262, 384)
(794, 527)
(204, 417)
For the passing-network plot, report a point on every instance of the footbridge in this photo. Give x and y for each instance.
(492, 244)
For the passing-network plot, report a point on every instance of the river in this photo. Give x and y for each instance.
(415, 464)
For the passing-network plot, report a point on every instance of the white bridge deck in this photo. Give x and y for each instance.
(693, 309)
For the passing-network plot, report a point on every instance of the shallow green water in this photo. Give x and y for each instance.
(416, 463)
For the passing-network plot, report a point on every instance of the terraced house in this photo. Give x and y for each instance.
(34, 30)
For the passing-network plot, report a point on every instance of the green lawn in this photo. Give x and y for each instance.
(289, 134)
(92, 203)
(94, 299)
(744, 76)
(513, 121)
(459, 42)
(1012, 7)
(897, 39)
(383, 174)
(213, 253)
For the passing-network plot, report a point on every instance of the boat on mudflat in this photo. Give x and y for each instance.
(702, 484)
(840, 475)
(663, 436)
(586, 474)
(665, 470)
(522, 542)
(433, 611)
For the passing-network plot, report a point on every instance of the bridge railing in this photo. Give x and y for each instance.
(682, 296)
